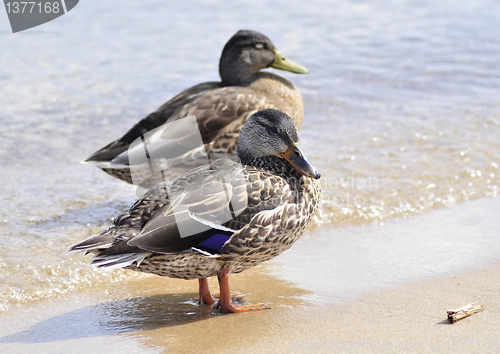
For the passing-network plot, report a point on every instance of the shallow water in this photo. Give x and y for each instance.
(355, 260)
(402, 113)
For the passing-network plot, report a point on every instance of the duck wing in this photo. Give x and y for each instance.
(203, 202)
(213, 106)
(196, 208)
(127, 225)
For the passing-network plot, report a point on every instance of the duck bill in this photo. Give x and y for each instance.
(282, 63)
(297, 159)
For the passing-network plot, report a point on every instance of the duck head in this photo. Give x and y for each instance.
(270, 136)
(248, 52)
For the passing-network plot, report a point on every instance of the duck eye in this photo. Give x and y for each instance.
(298, 153)
(259, 46)
(275, 130)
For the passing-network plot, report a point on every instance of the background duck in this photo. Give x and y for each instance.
(221, 108)
(222, 218)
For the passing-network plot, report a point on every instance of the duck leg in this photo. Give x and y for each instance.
(204, 290)
(225, 303)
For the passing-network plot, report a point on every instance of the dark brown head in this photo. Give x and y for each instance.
(248, 52)
(271, 134)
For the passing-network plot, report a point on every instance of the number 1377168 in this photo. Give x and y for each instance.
(32, 7)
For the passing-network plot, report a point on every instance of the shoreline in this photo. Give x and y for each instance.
(318, 303)
(158, 320)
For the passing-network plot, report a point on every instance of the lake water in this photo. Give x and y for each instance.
(402, 117)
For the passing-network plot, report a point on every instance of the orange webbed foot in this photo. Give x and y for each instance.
(204, 291)
(225, 303)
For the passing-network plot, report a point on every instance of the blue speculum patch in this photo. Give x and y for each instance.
(214, 243)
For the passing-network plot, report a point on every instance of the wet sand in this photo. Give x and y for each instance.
(150, 314)
(157, 320)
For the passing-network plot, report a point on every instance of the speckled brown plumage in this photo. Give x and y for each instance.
(221, 108)
(261, 205)
(279, 210)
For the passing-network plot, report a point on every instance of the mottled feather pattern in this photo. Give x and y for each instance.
(130, 224)
(279, 208)
(274, 230)
(221, 112)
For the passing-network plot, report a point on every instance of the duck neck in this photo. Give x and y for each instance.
(269, 163)
(235, 72)
(284, 95)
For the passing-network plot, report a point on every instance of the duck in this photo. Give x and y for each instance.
(221, 218)
(221, 108)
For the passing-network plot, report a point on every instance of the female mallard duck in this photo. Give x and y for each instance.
(220, 218)
(221, 108)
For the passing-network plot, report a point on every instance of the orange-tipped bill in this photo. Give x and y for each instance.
(298, 160)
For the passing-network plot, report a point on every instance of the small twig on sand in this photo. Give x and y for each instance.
(465, 311)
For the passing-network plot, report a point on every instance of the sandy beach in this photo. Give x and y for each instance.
(409, 318)
(153, 314)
